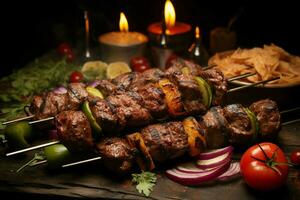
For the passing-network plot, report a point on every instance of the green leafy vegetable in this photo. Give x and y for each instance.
(18, 88)
(39, 156)
(145, 182)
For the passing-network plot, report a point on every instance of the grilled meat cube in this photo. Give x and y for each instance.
(152, 75)
(217, 81)
(124, 81)
(104, 115)
(77, 94)
(239, 125)
(116, 154)
(128, 111)
(190, 93)
(268, 117)
(177, 64)
(216, 127)
(153, 100)
(74, 131)
(106, 87)
(50, 104)
(165, 141)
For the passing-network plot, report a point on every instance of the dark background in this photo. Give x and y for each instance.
(32, 28)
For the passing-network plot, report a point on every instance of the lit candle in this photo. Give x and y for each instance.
(122, 45)
(178, 33)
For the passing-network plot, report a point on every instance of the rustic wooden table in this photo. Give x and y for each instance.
(89, 182)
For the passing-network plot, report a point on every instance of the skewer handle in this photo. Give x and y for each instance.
(32, 148)
(251, 85)
(17, 120)
(81, 162)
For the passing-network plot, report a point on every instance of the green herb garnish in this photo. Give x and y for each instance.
(145, 182)
(39, 156)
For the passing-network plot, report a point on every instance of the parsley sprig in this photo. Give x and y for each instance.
(145, 182)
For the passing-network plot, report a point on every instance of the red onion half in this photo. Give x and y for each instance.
(215, 152)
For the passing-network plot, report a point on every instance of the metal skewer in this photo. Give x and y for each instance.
(289, 110)
(41, 120)
(290, 122)
(240, 76)
(253, 84)
(32, 148)
(81, 162)
(17, 120)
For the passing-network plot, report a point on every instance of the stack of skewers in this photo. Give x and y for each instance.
(89, 119)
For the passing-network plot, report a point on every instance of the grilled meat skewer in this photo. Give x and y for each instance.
(160, 142)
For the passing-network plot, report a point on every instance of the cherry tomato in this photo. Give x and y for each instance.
(139, 63)
(76, 77)
(295, 157)
(264, 166)
(64, 48)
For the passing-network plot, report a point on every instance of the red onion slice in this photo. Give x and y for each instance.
(191, 167)
(60, 90)
(94, 83)
(214, 162)
(215, 153)
(196, 178)
(232, 172)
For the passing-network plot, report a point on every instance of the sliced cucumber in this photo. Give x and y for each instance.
(205, 91)
(94, 92)
(97, 131)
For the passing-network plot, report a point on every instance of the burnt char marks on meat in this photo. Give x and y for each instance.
(239, 125)
(49, 104)
(190, 94)
(116, 154)
(124, 81)
(74, 131)
(128, 111)
(216, 126)
(165, 141)
(153, 100)
(106, 87)
(77, 94)
(177, 64)
(217, 81)
(104, 116)
(268, 117)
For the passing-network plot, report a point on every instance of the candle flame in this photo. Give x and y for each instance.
(170, 16)
(123, 24)
(197, 32)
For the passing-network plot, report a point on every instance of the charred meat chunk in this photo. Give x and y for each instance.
(165, 141)
(124, 81)
(50, 104)
(116, 154)
(74, 131)
(106, 87)
(104, 116)
(268, 117)
(128, 111)
(217, 81)
(216, 126)
(239, 125)
(177, 64)
(190, 93)
(153, 100)
(77, 94)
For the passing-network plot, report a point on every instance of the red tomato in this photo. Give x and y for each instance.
(261, 172)
(295, 157)
(76, 77)
(64, 48)
(139, 64)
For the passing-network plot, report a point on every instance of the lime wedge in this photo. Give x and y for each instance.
(92, 70)
(117, 68)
